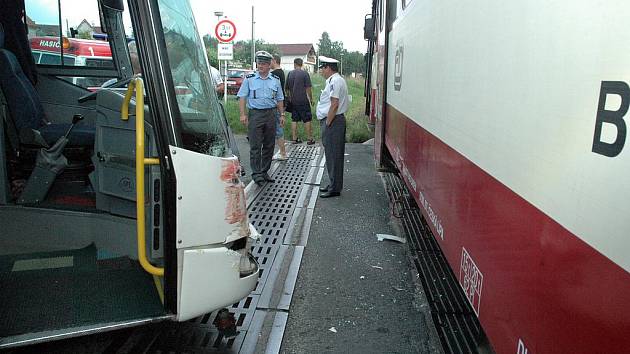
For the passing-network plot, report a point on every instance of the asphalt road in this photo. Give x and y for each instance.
(355, 294)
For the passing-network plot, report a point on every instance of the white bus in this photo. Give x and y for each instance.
(117, 207)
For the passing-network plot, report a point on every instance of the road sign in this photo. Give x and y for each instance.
(225, 31)
(225, 51)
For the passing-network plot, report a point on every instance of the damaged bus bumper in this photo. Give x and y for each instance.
(215, 267)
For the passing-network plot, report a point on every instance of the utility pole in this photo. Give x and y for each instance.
(253, 42)
(218, 14)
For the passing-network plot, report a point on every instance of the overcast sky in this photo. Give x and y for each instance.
(289, 21)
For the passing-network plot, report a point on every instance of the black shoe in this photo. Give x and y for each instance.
(329, 194)
(259, 181)
(324, 189)
(297, 141)
(268, 178)
(310, 142)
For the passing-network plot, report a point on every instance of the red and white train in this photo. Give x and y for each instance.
(507, 120)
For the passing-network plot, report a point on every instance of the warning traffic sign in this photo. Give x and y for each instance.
(225, 31)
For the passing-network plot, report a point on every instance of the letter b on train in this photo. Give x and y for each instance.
(615, 118)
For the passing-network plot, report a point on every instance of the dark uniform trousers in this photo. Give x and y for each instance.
(334, 141)
(261, 131)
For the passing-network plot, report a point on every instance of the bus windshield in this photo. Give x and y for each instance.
(201, 122)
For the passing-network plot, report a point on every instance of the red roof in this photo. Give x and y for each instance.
(295, 49)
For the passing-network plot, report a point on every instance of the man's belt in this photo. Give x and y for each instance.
(262, 109)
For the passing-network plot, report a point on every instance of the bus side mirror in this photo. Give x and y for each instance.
(368, 28)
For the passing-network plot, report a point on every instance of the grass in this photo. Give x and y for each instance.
(356, 122)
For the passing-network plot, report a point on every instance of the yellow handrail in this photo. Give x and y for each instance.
(138, 85)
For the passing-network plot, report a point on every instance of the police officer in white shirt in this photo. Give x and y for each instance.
(331, 109)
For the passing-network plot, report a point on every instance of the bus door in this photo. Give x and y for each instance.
(135, 212)
(210, 233)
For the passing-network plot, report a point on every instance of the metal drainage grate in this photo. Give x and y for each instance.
(457, 325)
(191, 338)
(272, 202)
(405, 208)
(194, 336)
(304, 151)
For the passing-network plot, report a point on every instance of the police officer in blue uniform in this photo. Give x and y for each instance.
(262, 92)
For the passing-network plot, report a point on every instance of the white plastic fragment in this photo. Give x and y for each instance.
(333, 329)
(377, 267)
(382, 237)
(362, 277)
(253, 233)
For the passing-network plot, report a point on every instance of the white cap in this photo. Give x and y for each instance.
(323, 60)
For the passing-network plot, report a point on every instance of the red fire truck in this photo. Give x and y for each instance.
(76, 52)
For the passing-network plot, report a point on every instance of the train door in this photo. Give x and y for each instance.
(378, 83)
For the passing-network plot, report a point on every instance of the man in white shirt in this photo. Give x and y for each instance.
(216, 78)
(331, 109)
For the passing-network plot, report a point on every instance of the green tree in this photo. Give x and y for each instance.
(352, 61)
(211, 50)
(337, 50)
(324, 45)
(243, 51)
(84, 35)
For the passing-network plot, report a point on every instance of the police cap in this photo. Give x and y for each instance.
(326, 61)
(263, 57)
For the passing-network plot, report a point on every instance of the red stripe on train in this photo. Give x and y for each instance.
(541, 284)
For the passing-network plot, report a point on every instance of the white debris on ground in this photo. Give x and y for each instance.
(382, 237)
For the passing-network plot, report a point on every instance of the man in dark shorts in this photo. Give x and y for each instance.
(277, 70)
(298, 91)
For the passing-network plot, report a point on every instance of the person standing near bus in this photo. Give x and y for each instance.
(262, 94)
(331, 109)
(216, 78)
(301, 96)
(282, 152)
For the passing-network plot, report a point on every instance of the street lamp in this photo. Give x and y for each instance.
(218, 14)
(341, 69)
(253, 42)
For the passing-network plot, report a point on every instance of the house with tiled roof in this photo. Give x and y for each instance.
(35, 29)
(305, 51)
(90, 29)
